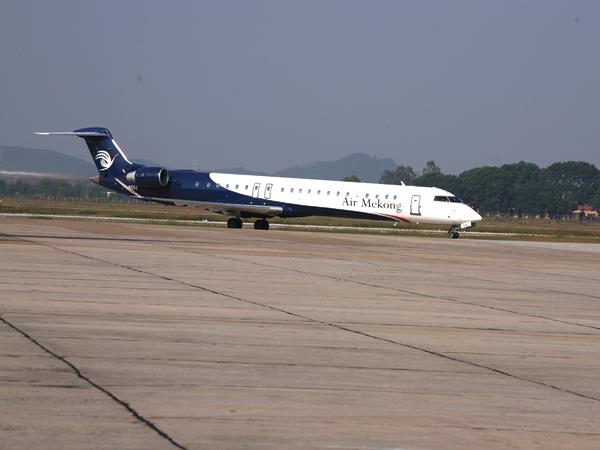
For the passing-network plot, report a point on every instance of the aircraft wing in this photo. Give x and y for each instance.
(229, 209)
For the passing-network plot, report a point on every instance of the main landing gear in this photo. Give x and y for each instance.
(261, 224)
(453, 232)
(236, 222)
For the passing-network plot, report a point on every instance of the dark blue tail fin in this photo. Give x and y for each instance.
(108, 156)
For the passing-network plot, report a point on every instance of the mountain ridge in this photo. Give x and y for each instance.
(50, 162)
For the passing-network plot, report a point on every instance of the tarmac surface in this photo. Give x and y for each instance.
(135, 336)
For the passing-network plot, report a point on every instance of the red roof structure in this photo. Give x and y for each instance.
(586, 207)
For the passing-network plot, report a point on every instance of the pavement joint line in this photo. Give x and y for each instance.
(462, 302)
(331, 324)
(253, 321)
(419, 294)
(95, 385)
(470, 277)
(279, 364)
(198, 241)
(519, 270)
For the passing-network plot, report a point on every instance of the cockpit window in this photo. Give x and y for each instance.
(442, 198)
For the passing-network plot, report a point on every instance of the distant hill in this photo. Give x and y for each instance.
(22, 159)
(367, 168)
(30, 160)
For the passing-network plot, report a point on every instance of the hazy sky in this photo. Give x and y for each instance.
(269, 84)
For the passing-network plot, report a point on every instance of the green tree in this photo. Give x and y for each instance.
(431, 168)
(484, 188)
(352, 178)
(52, 188)
(401, 174)
(595, 200)
(521, 188)
(567, 184)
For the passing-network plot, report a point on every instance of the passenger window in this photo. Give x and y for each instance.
(282, 189)
(237, 186)
(309, 191)
(338, 193)
(318, 192)
(394, 197)
(347, 194)
(197, 183)
(300, 191)
(292, 190)
(246, 187)
(377, 196)
(386, 196)
(328, 192)
(366, 195)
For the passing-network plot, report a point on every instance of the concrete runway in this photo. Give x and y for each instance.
(137, 336)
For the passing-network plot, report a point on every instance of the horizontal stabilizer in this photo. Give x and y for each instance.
(107, 155)
(82, 134)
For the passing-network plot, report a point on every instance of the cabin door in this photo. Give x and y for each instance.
(268, 189)
(255, 190)
(415, 205)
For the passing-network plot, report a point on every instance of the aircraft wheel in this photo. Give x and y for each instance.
(234, 222)
(261, 224)
(452, 232)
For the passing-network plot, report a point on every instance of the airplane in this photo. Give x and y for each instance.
(264, 197)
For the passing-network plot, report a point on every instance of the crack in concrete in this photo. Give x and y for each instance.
(95, 385)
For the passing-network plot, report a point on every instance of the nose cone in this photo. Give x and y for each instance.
(468, 214)
(474, 216)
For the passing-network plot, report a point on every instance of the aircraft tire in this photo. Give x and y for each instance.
(261, 224)
(234, 222)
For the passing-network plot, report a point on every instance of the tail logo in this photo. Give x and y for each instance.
(104, 159)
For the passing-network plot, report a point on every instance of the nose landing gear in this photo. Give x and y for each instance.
(453, 232)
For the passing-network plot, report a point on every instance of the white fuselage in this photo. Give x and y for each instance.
(402, 203)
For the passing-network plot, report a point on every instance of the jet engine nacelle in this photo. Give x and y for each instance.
(150, 177)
